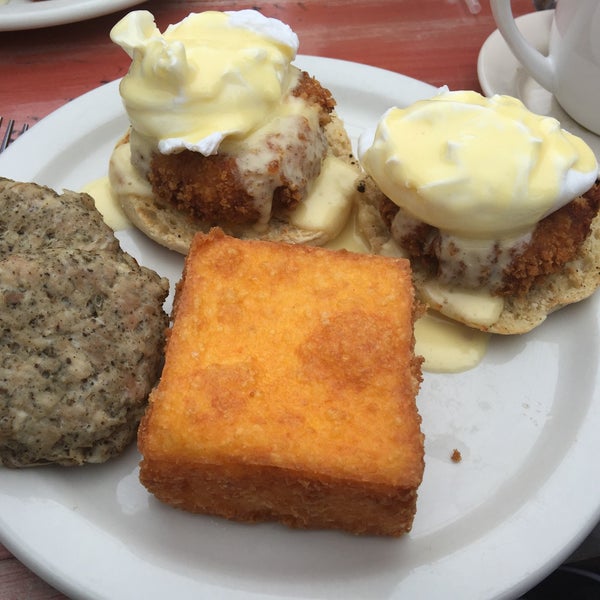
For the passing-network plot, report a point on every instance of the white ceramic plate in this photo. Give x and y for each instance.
(500, 72)
(526, 422)
(28, 14)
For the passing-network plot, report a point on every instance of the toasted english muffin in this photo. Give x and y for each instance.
(175, 229)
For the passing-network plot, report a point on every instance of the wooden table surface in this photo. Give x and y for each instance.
(436, 41)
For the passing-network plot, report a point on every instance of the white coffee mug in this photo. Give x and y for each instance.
(571, 71)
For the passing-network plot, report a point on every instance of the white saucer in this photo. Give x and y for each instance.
(500, 72)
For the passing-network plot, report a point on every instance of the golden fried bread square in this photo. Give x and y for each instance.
(288, 391)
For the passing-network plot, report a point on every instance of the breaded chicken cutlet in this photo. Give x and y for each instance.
(223, 188)
(555, 241)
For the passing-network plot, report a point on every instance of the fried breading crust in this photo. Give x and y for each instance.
(554, 242)
(210, 188)
(310, 90)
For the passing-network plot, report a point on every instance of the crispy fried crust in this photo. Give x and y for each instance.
(289, 388)
(559, 267)
(207, 187)
(311, 90)
(555, 241)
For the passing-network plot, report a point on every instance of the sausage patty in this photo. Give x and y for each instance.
(81, 331)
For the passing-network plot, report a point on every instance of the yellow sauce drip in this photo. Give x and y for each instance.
(329, 202)
(448, 346)
(107, 204)
(475, 306)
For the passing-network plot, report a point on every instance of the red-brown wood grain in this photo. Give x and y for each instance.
(436, 41)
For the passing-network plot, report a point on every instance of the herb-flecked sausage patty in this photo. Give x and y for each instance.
(81, 331)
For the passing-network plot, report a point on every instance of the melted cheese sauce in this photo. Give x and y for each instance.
(329, 203)
(476, 306)
(476, 167)
(293, 140)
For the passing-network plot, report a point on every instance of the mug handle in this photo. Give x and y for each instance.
(540, 67)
